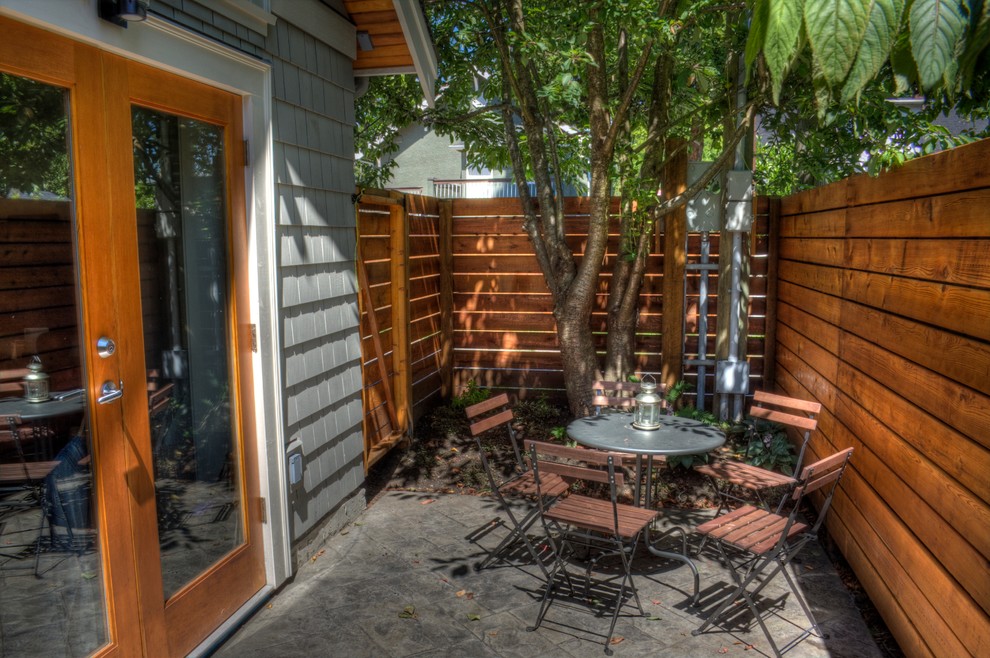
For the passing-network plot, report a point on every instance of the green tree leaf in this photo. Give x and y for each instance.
(783, 27)
(884, 21)
(835, 29)
(936, 26)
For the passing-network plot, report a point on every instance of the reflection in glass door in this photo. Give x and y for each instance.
(52, 599)
(181, 223)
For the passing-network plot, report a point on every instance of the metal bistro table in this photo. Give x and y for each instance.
(676, 436)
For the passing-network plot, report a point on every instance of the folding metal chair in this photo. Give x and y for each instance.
(729, 476)
(22, 481)
(764, 543)
(490, 414)
(606, 527)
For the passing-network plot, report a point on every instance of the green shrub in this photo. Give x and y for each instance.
(473, 394)
(765, 444)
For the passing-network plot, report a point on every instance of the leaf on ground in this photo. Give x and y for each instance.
(723, 650)
(473, 617)
(88, 575)
(460, 593)
(654, 618)
(318, 555)
(408, 612)
(359, 523)
(428, 501)
(616, 639)
(656, 601)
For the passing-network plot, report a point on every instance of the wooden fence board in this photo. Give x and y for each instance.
(889, 277)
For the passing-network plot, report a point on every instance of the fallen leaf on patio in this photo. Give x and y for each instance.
(470, 595)
(808, 567)
(654, 618)
(473, 617)
(616, 639)
(88, 575)
(428, 501)
(723, 650)
(269, 606)
(359, 523)
(409, 612)
(454, 450)
(656, 601)
(317, 556)
(460, 593)
(492, 633)
(344, 531)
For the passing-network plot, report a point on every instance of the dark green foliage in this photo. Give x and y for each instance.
(34, 153)
(472, 394)
(765, 444)
(541, 420)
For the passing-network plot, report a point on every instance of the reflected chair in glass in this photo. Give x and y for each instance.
(757, 544)
(22, 481)
(732, 478)
(613, 396)
(603, 527)
(516, 485)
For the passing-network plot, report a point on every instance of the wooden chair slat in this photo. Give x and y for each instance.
(487, 405)
(797, 404)
(489, 422)
(791, 420)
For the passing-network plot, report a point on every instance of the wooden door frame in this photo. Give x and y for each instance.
(39, 55)
(95, 81)
(194, 608)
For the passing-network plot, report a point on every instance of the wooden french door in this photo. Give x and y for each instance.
(160, 257)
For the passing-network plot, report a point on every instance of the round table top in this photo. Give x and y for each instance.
(676, 436)
(30, 411)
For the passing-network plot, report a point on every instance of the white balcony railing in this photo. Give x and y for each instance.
(477, 188)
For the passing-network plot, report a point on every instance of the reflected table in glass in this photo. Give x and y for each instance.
(674, 438)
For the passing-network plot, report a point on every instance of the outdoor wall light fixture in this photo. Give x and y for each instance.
(122, 12)
(364, 41)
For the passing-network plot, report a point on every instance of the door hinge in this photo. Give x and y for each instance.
(254, 338)
(247, 152)
(263, 504)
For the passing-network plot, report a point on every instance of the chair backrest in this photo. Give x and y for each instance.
(791, 412)
(545, 459)
(491, 413)
(613, 395)
(11, 382)
(823, 473)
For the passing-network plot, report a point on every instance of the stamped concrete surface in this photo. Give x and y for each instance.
(402, 581)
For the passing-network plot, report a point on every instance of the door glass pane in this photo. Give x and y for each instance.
(51, 576)
(182, 234)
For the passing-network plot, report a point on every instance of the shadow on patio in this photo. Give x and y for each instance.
(400, 581)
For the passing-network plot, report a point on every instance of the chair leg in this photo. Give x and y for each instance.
(518, 532)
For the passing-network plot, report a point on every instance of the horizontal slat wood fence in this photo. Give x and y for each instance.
(884, 318)
(463, 276)
(37, 290)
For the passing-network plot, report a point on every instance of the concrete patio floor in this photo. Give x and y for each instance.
(401, 581)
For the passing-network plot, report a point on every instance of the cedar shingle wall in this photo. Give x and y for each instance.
(884, 317)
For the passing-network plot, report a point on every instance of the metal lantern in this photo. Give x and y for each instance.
(36, 382)
(648, 405)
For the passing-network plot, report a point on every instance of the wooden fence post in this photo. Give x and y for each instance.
(446, 244)
(401, 363)
(674, 261)
(770, 331)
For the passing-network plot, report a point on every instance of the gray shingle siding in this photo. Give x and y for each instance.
(313, 89)
(203, 20)
(313, 150)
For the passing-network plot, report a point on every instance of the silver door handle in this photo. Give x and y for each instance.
(109, 392)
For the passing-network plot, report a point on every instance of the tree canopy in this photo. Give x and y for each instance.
(610, 92)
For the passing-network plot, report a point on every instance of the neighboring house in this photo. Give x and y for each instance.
(214, 331)
(434, 165)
